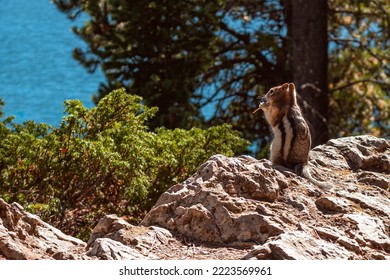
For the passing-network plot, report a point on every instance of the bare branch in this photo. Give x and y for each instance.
(387, 85)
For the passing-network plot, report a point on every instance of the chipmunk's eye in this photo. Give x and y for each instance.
(271, 91)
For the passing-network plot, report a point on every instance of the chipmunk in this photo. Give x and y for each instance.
(292, 141)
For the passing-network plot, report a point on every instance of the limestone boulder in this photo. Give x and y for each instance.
(239, 208)
(244, 202)
(115, 239)
(24, 236)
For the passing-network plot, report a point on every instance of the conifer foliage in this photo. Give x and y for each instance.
(101, 160)
(203, 62)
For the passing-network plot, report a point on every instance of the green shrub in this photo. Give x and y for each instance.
(101, 160)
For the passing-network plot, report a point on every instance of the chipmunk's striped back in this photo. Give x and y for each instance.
(291, 144)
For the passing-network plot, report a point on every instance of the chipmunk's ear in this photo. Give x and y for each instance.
(291, 87)
(285, 86)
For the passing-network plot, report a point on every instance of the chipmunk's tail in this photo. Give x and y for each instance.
(304, 171)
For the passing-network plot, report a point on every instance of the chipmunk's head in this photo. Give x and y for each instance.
(283, 95)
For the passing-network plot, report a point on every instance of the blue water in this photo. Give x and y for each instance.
(37, 71)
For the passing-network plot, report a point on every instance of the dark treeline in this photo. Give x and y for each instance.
(188, 57)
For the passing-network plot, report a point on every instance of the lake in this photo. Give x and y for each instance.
(37, 71)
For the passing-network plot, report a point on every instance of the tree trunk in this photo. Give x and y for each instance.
(310, 63)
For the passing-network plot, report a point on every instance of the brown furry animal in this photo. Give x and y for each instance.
(291, 144)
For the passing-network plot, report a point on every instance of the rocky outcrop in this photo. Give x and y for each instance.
(24, 236)
(239, 208)
(115, 239)
(243, 201)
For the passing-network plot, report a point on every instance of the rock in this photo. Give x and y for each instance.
(374, 179)
(364, 152)
(242, 201)
(108, 249)
(332, 204)
(371, 201)
(130, 240)
(299, 245)
(335, 236)
(24, 236)
(228, 200)
(239, 208)
(371, 230)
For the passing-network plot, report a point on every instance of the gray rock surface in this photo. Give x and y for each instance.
(24, 236)
(241, 201)
(108, 249)
(114, 238)
(239, 208)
